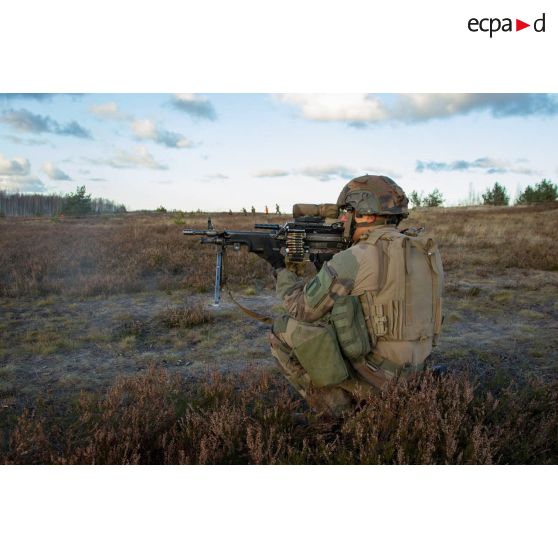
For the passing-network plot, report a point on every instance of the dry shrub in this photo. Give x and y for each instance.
(185, 316)
(525, 423)
(494, 238)
(136, 328)
(156, 417)
(423, 421)
(131, 424)
(129, 253)
(135, 252)
(29, 443)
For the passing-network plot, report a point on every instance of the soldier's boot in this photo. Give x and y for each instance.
(328, 400)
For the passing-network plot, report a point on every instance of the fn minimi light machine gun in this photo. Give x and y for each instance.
(314, 234)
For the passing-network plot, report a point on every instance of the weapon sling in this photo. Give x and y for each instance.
(247, 311)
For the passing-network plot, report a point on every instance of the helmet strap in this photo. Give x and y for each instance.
(349, 227)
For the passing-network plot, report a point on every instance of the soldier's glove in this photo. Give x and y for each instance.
(295, 267)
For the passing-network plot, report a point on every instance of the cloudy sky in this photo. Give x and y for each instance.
(226, 151)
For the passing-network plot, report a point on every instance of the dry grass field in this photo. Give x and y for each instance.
(110, 352)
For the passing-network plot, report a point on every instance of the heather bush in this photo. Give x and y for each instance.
(156, 417)
(185, 316)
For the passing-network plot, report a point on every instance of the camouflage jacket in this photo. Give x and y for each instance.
(351, 271)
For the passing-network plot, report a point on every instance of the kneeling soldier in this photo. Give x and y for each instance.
(371, 314)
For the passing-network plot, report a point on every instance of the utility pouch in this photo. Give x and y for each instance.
(350, 326)
(317, 350)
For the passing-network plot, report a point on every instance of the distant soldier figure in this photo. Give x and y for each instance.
(244, 212)
(266, 210)
(253, 210)
(382, 295)
(277, 209)
(230, 211)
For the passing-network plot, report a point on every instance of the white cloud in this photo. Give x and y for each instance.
(325, 173)
(108, 111)
(147, 129)
(26, 141)
(12, 167)
(25, 183)
(272, 173)
(27, 96)
(141, 158)
(53, 172)
(26, 121)
(419, 107)
(144, 129)
(194, 105)
(486, 164)
(212, 177)
(348, 107)
(15, 176)
(328, 172)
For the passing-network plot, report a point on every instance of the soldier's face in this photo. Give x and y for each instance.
(359, 231)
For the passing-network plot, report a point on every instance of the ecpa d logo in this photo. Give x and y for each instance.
(494, 24)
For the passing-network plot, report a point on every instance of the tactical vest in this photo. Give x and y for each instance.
(384, 333)
(407, 307)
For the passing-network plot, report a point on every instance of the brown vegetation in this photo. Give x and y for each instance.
(493, 238)
(65, 329)
(129, 253)
(159, 418)
(185, 316)
(102, 255)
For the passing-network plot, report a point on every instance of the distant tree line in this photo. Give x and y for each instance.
(434, 199)
(541, 192)
(544, 191)
(77, 203)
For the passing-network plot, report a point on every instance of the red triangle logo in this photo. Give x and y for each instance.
(519, 25)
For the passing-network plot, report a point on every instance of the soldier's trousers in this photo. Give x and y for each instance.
(336, 399)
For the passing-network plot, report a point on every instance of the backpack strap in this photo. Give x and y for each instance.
(373, 236)
(431, 250)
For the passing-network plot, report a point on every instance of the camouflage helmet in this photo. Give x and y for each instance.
(374, 195)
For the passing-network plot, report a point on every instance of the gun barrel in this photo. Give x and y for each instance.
(196, 232)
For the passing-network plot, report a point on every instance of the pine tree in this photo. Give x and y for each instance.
(434, 199)
(78, 203)
(415, 199)
(497, 195)
(544, 191)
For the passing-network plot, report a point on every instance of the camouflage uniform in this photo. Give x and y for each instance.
(359, 271)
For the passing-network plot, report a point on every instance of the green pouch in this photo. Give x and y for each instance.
(350, 326)
(317, 350)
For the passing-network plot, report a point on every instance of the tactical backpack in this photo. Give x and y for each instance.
(408, 304)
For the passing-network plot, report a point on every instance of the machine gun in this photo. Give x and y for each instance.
(314, 234)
